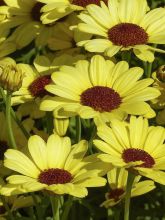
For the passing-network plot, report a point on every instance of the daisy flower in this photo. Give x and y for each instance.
(37, 77)
(123, 25)
(25, 17)
(56, 9)
(135, 145)
(56, 166)
(117, 180)
(100, 88)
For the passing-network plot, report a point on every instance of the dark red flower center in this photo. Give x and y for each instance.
(2, 3)
(101, 98)
(3, 147)
(127, 34)
(35, 12)
(2, 210)
(37, 87)
(84, 3)
(133, 155)
(54, 176)
(115, 194)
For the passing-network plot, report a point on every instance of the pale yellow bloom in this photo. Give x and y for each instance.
(123, 25)
(55, 166)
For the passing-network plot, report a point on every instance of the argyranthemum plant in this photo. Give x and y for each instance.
(54, 10)
(123, 25)
(117, 180)
(135, 145)
(100, 88)
(56, 166)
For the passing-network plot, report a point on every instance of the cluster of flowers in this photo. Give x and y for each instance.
(70, 80)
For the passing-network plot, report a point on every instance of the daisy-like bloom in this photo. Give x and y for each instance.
(25, 17)
(56, 9)
(63, 38)
(135, 145)
(57, 167)
(100, 88)
(37, 77)
(117, 180)
(123, 25)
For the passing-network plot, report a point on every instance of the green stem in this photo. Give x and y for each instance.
(90, 144)
(9, 122)
(55, 203)
(67, 207)
(37, 206)
(49, 122)
(130, 181)
(78, 128)
(7, 208)
(19, 123)
(116, 213)
(147, 69)
(14, 116)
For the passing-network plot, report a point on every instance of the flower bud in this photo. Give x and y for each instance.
(10, 75)
(160, 73)
(61, 126)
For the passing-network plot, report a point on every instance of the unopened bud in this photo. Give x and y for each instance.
(61, 126)
(10, 76)
(160, 73)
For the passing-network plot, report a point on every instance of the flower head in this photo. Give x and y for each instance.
(38, 76)
(135, 145)
(56, 166)
(99, 88)
(123, 25)
(117, 180)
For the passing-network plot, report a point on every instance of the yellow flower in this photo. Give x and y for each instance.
(37, 77)
(25, 17)
(123, 25)
(57, 166)
(54, 10)
(117, 180)
(135, 145)
(99, 88)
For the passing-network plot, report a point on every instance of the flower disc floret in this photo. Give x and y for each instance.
(115, 194)
(101, 98)
(84, 3)
(37, 87)
(133, 155)
(54, 176)
(127, 34)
